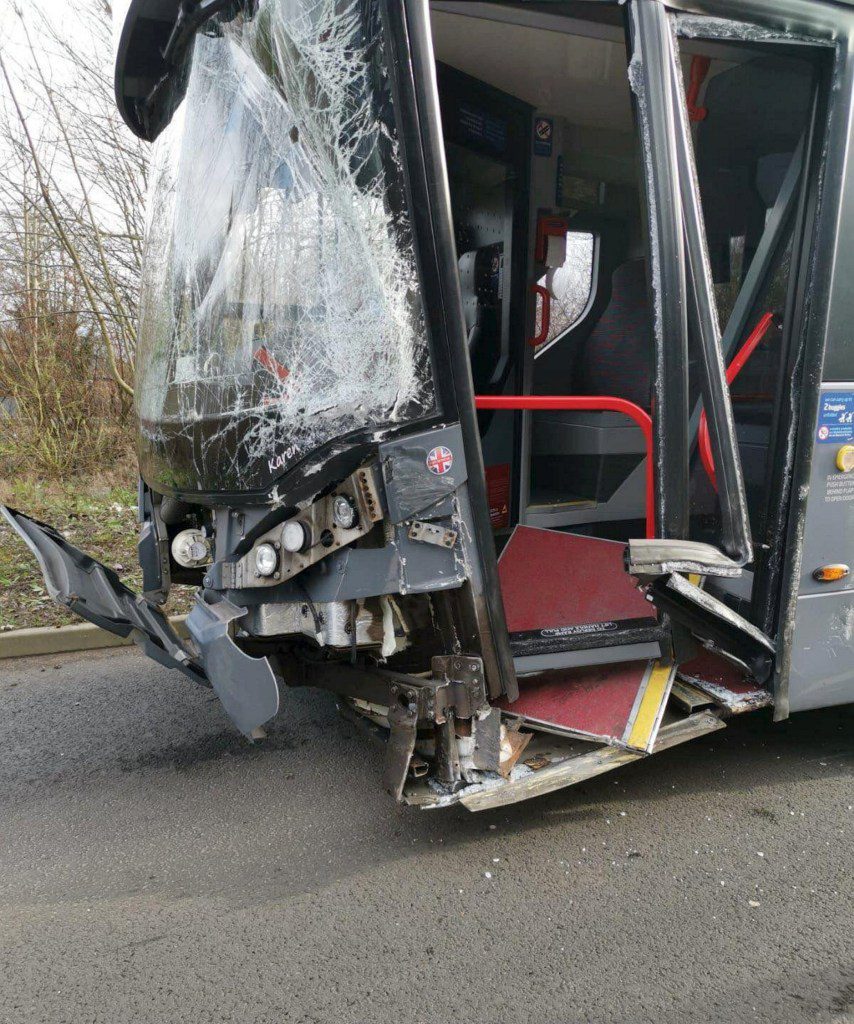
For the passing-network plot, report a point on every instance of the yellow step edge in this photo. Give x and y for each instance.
(643, 726)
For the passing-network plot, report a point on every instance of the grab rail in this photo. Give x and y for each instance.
(587, 403)
(545, 315)
(756, 336)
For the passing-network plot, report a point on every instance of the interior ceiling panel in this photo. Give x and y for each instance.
(581, 79)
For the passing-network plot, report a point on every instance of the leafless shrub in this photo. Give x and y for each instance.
(72, 181)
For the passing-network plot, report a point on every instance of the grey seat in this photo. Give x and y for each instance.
(578, 456)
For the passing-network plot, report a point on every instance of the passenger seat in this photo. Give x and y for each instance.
(587, 456)
(617, 356)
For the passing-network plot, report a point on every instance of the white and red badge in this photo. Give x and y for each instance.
(440, 460)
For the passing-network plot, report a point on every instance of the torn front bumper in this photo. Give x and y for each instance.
(247, 686)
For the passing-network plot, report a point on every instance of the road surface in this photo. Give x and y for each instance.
(154, 867)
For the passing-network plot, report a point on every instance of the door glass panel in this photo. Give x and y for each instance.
(749, 120)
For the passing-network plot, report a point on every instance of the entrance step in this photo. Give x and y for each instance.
(727, 685)
(570, 602)
(586, 648)
(621, 705)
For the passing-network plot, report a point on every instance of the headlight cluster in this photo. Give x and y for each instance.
(266, 560)
(333, 521)
(344, 512)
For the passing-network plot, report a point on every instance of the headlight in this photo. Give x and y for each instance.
(266, 559)
(343, 512)
(191, 549)
(294, 537)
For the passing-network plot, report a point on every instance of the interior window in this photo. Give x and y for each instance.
(569, 286)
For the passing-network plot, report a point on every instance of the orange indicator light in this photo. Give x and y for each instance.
(830, 573)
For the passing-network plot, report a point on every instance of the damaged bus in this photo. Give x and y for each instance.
(493, 372)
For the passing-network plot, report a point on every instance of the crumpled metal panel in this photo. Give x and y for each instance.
(247, 686)
(421, 470)
(95, 592)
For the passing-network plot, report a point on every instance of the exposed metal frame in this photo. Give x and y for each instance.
(795, 211)
(649, 74)
(413, 74)
(681, 283)
(798, 381)
(704, 322)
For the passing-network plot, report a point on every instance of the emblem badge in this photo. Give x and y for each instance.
(440, 460)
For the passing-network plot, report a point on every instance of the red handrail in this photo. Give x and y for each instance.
(699, 69)
(755, 337)
(587, 403)
(545, 316)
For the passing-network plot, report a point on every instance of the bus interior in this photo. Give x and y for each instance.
(546, 178)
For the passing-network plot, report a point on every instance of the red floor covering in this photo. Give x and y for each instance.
(562, 579)
(551, 579)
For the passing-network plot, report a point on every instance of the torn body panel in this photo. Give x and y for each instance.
(550, 763)
(717, 626)
(247, 686)
(728, 686)
(95, 593)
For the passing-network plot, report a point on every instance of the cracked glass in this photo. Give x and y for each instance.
(280, 309)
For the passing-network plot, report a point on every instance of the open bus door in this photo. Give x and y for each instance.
(595, 658)
(336, 334)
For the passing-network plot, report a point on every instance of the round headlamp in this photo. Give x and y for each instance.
(266, 560)
(344, 512)
(294, 536)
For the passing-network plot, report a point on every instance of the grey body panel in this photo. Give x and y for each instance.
(822, 667)
(585, 433)
(829, 536)
(822, 653)
(410, 487)
(593, 434)
(405, 567)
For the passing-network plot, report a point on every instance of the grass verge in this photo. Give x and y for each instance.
(95, 513)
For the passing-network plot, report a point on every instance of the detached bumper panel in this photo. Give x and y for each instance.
(246, 686)
(96, 593)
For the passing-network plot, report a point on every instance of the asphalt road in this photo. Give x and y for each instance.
(156, 868)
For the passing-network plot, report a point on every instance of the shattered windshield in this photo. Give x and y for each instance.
(279, 307)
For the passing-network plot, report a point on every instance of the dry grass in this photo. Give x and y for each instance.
(62, 415)
(96, 513)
